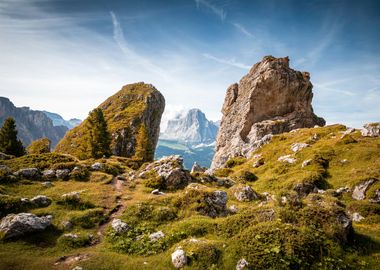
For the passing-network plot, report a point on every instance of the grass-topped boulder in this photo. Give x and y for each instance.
(133, 117)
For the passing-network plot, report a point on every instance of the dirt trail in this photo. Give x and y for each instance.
(118, 210)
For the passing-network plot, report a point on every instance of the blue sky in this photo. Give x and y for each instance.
(67, 56)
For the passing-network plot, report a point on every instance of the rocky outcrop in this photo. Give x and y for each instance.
(271, 99)
(31, 125)
(119, 226)
(360, 190)
(170, 170)
(371, 130)
(15, 225)
(133, 116)
(179, 258)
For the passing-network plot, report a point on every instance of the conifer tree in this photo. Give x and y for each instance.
(144, 150)
(100, 139)
(9, 143)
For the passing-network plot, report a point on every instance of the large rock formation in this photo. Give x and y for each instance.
(133, 115)
(31, 125)
(271, 99)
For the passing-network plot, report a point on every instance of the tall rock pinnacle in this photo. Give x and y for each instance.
(133, 116)
(271, 99)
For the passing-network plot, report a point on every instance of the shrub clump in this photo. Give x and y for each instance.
(80, 173)
(223, 172)
(73, 202)
(40, 146)
(90, 218)
(68, 241)
(235, 161)
(245, 176)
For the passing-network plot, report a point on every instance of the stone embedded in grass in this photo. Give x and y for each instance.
(47, 184)
(49, 174)
(62, 173)
(15, 225)
(357, 217)
(157, 192)
(376, 197)
(233, 209)
(179, 258)
(288, 159)
(340, 191)
(28, 173)
(295, 147)
(156, 236)
(303, 189)
(41, 201)
(66, 225)
(97, 166)
(244, 193)
(242, 264)
(306, 162)
(119, 226)
(360, 190)
(75, 195)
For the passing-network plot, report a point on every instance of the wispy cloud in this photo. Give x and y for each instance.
(130, 54)
(215, 9)
(243, 30)
(230, 62)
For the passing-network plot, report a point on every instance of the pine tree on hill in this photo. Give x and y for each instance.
(100, 139)
(144, 150)
(9, 143)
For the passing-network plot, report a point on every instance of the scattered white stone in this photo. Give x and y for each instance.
(120, 226)
(41, 201)
(245, 193)
(288, 158)
(67, 225)
(71, 235)
(62, 174)
(242, 264)
(295, 147)
(47, 184)
(348, 131)
(77, 268)
(28, 173)
(357, 217)
(157, 192)
(97, 166)
(233, 209)
(179, 258)
(306, 162)
(371, 130)
(75, 195)
(49, 174)
(361, 189)
(156, 236)
(197, 168)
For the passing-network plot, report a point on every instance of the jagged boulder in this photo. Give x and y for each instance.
(15, 225)
(244, 193)
(170, 171)
(133, 116)
(271, 99)
(371, 130)
(28, 173)
(360, 190)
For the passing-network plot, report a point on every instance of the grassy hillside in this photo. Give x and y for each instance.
(299, 232)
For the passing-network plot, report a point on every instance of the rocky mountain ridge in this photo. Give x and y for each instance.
(191, 128)
(31, 124)
(59, 121)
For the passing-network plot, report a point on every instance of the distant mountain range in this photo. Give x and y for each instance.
(33, 124)
(59, 121)
(190, 135)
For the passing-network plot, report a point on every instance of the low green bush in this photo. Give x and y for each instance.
(89, 218)
(235, 161)
(80, 240)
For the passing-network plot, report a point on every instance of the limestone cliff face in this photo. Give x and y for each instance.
(31, 124)
(271, 99)
(133, 116)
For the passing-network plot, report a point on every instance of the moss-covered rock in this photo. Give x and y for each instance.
(133, 116)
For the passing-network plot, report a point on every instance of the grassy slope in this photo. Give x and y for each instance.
(224, 236)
